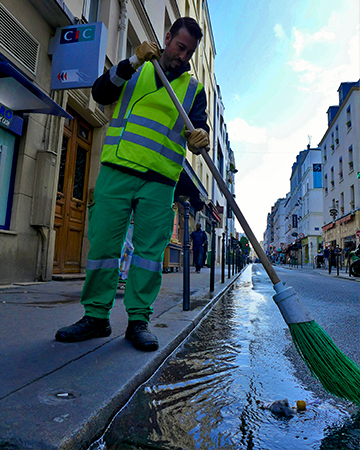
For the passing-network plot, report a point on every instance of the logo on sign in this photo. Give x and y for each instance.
(81, 34)
(6, 115)
(67, 76)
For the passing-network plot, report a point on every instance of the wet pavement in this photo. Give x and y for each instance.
(215, 390)
(62, 396)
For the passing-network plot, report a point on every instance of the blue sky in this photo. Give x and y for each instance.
(279, 65)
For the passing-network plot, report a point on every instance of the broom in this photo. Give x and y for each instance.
(338, 374)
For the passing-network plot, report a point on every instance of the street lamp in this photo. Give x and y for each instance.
(333, 213)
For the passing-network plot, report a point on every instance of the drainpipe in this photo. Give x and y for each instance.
(123, 24)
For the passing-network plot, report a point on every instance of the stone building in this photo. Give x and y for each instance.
(50, 150)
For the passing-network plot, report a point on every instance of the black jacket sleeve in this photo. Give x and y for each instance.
(104, 91)
(197, 113)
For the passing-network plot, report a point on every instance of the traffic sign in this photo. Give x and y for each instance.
(358, 233)
(301, 235)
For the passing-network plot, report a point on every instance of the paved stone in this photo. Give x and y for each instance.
(62, 396)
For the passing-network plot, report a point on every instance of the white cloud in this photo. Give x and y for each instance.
(240, 131)
(279, 31)
(299, 41)
(326, 34)
(310, 71)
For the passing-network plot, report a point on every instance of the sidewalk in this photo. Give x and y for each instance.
(62, 396)
(322, 271)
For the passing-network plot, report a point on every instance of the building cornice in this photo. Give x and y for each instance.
(341, 107)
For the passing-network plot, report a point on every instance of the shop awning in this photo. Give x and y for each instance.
(190, 186)
(345, 219)
(328, 226)
(214, 211)
(22, 96)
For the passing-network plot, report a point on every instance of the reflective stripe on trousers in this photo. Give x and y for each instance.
(116, 195)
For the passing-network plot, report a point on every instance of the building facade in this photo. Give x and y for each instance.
(340, 150)
(48, 177)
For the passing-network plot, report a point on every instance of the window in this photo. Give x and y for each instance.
(129, 49)
(326, 184)
(348, 117)
(337, 135)
(220, 160)
(342, 208)
(91, 10)
(7, 172)
(352, 197)
(316, 176)
(341, 175)
(332, 181)
(350, 159)
(332, 142)
(325, 154)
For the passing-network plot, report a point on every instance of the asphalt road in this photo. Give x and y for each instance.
(334, 304)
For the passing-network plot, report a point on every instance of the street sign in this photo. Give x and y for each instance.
(358, 233)
(78, 55)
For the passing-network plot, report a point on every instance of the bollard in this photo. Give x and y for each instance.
(223, 259)
(186, 263)
(213, 252)
(233, 260)
(228, 251)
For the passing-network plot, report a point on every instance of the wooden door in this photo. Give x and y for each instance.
(72, 195)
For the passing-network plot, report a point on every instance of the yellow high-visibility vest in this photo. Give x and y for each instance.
(146, 130)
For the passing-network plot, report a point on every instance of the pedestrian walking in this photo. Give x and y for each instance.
(142, 157)
(326, 256)
(200, 244)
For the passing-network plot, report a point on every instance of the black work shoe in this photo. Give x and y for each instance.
(139, 335)
(86, 328)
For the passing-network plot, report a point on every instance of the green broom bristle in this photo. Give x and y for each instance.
(336, 372)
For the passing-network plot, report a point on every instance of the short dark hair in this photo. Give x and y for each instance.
(190, 24)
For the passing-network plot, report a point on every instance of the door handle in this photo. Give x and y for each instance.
(78, 204)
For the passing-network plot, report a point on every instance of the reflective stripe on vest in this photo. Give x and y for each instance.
(173, 135)
(96, 264)
(153, 145)
(141, 132)
(147, 264)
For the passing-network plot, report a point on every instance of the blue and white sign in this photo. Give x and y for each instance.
(78, 55)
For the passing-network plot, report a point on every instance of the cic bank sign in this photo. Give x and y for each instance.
(78, 55)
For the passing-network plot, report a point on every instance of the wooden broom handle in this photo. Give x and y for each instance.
(223, 188)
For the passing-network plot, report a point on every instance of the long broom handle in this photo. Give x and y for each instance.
(228, 195)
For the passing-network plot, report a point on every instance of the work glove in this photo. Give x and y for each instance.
(197, 139)
(145, 52)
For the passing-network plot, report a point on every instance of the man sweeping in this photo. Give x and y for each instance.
(142, 158)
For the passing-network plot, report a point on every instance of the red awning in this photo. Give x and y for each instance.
(328, 226)
(344, 219)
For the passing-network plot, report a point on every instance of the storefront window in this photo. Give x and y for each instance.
(7, 149)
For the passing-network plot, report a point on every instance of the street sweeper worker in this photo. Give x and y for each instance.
(142, 157)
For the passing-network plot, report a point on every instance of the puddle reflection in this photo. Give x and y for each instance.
(208, 393)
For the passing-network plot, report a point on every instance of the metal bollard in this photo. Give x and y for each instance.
(228, 250)
(213, 252)
(223, 259)
(186, 277)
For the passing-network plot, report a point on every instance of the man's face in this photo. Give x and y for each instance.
(179, 50)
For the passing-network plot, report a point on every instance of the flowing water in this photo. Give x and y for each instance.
(213, 391)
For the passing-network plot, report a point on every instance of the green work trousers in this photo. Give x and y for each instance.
(117, 195)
